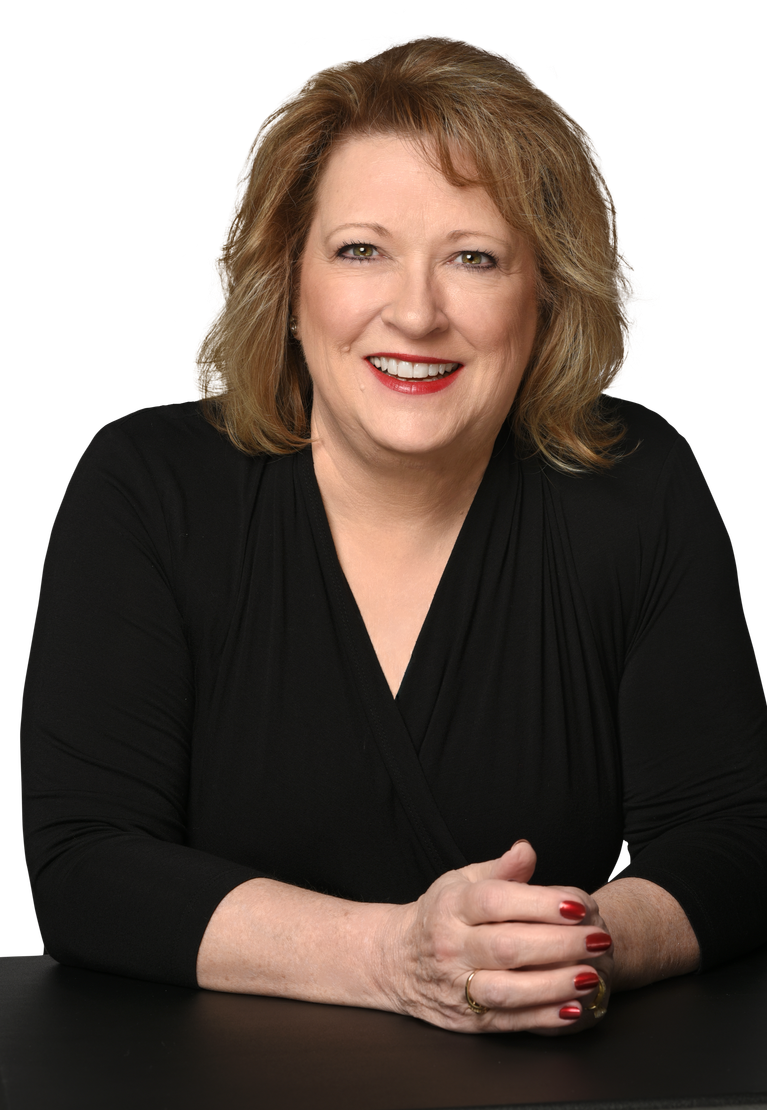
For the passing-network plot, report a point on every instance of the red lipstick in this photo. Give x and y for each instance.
(413, 386)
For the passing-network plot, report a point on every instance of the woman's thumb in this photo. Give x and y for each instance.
(518, 864)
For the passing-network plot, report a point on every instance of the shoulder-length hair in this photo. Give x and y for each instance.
(536, 164)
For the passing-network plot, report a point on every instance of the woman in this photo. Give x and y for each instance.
(407, 592)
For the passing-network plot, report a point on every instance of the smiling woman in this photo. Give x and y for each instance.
(535, 175)
(477, 319)
(403, 590)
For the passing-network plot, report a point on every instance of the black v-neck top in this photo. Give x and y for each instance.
(204, 704)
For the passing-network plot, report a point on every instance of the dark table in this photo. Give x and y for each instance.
(79, 1040)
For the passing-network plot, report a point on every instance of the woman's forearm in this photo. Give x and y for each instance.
(269, 938)
(652, 937)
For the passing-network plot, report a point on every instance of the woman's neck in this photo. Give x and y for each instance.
(378, 489)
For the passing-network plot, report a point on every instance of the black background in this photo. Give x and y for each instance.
(127, 174)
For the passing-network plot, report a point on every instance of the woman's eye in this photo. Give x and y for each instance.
(475, 259)
(358, 250)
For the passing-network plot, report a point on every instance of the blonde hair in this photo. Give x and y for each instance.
(535, 163)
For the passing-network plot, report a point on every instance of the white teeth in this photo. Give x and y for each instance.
(397, 368)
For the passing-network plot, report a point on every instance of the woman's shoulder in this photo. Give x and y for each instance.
(168, 444)
(653, 479)
(172, 430)
(641, 426)
(649, 451)
(167, 466)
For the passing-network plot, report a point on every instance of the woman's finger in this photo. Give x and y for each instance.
(540, 1001)
(524, 990)
(531, 944)
(493, 900)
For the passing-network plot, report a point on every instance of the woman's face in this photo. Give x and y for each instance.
(416, 309)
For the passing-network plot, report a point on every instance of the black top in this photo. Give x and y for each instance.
(204, 704)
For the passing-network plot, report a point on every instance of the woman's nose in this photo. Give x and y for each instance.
(416, 306)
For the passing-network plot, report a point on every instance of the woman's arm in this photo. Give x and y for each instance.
(273, 939)
(651, 934)
(269, 938)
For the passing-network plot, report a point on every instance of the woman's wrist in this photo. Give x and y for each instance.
(390, 968)
(652, 937)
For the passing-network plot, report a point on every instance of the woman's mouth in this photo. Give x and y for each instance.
(411, 377)
(406, 371)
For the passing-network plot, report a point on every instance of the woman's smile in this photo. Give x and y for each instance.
(421, 376)
(400, 366)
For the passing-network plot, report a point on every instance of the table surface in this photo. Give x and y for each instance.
(80, 1040)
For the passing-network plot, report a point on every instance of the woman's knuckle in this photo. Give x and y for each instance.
(481, 898)
(563, 946)
(443, 947)
(490, 897)
(495, 994)
(503, 948)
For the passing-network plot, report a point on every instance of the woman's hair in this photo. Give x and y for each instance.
(537, 166)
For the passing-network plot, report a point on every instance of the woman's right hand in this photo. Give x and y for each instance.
(535, 951)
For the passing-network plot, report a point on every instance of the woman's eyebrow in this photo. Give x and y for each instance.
(380, 230)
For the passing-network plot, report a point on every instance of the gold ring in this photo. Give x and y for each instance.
(596, 1006)
(475, 1007)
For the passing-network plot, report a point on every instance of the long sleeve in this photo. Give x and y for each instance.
(692, 721)
(107, 722)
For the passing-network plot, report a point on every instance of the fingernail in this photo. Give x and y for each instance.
(598, 942)
(586, 980)
(570, 1013)
(573, 911)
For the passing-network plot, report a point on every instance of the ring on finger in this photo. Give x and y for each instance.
(596, 1007)
(476, 1007)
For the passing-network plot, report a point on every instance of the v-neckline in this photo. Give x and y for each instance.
(354, 622)
(389, 727)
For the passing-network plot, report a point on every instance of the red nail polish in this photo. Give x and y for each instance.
(586, 980)
(570, 1013)
(598, 942)
(573, 911)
